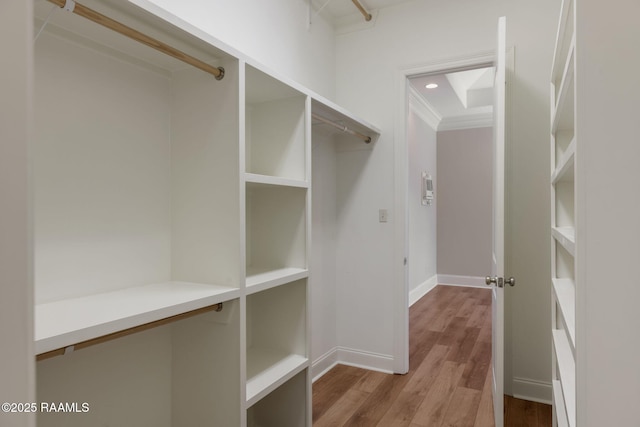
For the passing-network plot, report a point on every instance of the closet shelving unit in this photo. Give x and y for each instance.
(277, 191)
(564, 147)
(171, 226)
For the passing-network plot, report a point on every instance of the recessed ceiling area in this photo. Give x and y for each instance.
(462, 99)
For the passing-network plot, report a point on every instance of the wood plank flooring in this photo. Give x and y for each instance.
(448, 383)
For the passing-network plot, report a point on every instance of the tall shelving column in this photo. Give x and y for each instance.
(277, 188)
(563, 220)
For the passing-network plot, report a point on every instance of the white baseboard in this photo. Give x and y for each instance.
(422, 289)
(365, 360)
(536, 391)
(324, 363)
(351, 357)
(471, 281)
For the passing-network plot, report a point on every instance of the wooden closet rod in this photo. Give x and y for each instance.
(343, 128)
(116, 26)
(125, 332)
(363, 11)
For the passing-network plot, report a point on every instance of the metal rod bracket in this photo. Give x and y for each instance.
(69, 5)
(221, 75)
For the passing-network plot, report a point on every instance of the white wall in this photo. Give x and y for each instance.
(275, 33)
(608, 208)
(323, 249)
(16, 286)
(465, 159)
(421, 139)
(368, 65)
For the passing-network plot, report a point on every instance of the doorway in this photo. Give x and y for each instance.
(406, 168)
(449, 138)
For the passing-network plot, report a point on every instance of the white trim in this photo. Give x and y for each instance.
(423, 109)
(351, 357)
(469, 281)
(422, 289)
(468, 121)
(365, 360)
(324, 363)
(400, 301)
(535, 391)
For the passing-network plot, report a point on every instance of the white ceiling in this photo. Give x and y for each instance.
(461, 97)
(334, 9)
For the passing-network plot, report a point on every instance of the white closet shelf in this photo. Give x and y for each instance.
(267, 369)
(567, 369)
(260, 279)
(566, 236)
(565, 293)
(564, 38)
(67, 322)
(564, 106)
(330, 111)
(252, 178)
(564, 168)
(561, 412)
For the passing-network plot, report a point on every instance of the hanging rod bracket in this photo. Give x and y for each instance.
(221, 75)
(219, 307)
(363, 11)
(69, 5)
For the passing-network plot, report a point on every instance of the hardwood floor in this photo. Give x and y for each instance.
(448, 383)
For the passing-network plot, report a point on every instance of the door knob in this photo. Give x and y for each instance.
(490, 280)
(499, 281)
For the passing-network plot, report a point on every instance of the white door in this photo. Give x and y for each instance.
(496, 279)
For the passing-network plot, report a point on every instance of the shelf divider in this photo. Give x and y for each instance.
(565, 164)
(567, 368)
(267, 369)
(254, 178)
(558, 400)
(566, 236)
(565, 293)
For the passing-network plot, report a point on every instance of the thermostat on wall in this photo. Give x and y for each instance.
(427, 189)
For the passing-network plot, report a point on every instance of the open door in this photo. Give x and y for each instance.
(496, 280)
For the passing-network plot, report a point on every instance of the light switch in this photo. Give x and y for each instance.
(383, 215)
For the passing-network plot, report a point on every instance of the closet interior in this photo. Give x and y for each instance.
(172, 226)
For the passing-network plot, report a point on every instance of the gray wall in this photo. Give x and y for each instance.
(465, 201)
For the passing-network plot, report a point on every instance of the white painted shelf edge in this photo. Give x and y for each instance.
(566, 236)
(567, 368)
(274, 180)
(560, 411)
(564, 94)
(565, 163)
(565, 292)
(268, 369)
(260, 279)
(63, 323)
(561, 37)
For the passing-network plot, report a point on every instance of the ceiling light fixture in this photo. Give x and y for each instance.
(431, 86)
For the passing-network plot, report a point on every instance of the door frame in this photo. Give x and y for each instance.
(401, 179)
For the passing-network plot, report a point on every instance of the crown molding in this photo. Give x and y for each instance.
(469, 121)
(424, 109)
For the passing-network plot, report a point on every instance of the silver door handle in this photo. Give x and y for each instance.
(499, 281)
